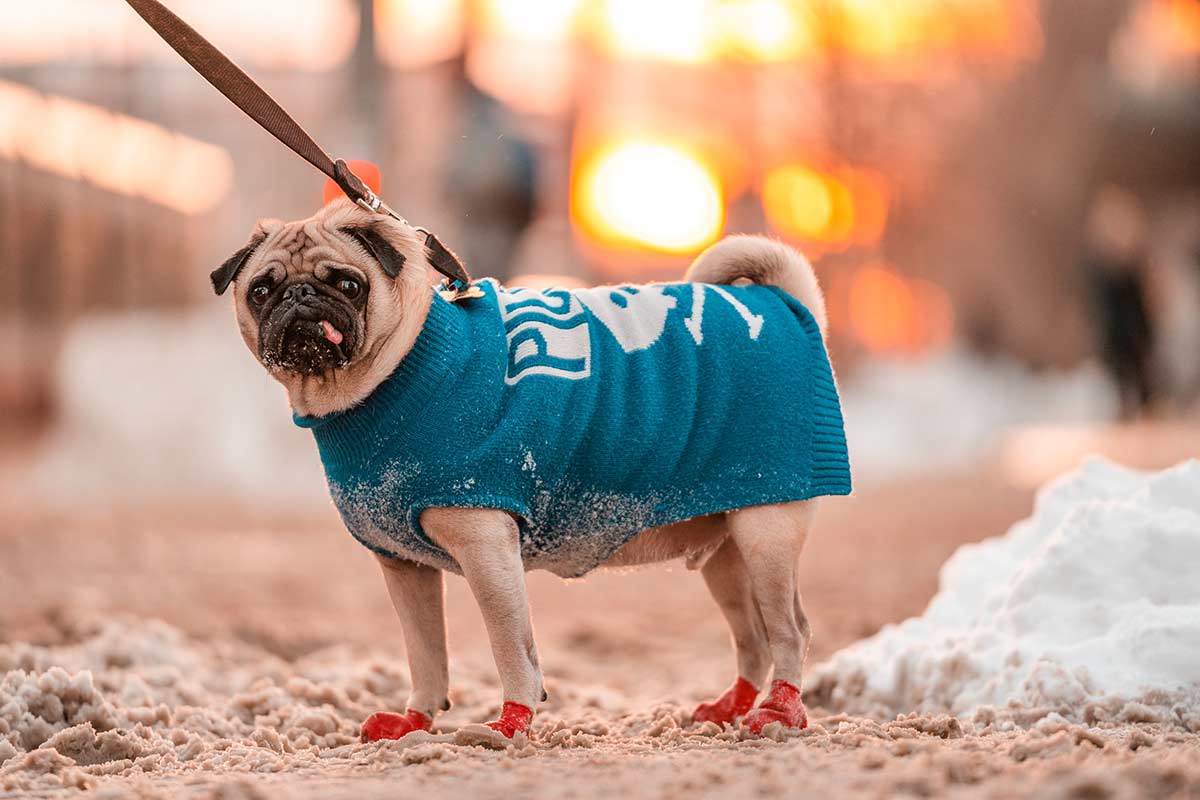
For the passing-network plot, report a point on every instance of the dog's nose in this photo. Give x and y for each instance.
(298, 291)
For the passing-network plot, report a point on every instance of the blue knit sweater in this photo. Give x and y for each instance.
(591, 415)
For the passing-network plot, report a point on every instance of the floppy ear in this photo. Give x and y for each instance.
(444, 261)
(224, 275)
(389, 258)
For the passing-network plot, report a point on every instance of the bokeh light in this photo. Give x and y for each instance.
(521, 55)
(530, 20)
(114, 152)
(648, 193)
(768, 30)
(832, 210)
(412, 33)
(890, 313)
(307, 35)
(666, 30)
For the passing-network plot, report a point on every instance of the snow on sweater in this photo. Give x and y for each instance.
(591, 415)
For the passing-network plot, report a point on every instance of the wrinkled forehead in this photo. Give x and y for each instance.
(298, 245)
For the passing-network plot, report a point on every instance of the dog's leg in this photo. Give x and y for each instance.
(727, 580)
(486, 544)
(770, 539)
(417, 594)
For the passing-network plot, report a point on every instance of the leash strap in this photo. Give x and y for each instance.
(241, 90)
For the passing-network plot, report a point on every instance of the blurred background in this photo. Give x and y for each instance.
(1001, 197)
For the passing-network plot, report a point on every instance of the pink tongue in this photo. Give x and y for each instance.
(331, 333)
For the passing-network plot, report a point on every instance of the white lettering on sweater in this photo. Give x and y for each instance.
(547, 334)
(548, 331)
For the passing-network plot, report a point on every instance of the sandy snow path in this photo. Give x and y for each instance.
(138, 708)
(278, 641)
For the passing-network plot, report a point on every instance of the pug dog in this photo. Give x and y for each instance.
(417, 402)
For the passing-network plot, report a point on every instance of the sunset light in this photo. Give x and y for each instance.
(829, 209)
(648, 194)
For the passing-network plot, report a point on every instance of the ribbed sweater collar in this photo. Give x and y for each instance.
(406, 398)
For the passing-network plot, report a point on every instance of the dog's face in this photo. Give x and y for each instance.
(316, 299)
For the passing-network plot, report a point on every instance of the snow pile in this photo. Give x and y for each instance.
(1089, 609)
(946, 410)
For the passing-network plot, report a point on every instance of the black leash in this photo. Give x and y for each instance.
(216, 68)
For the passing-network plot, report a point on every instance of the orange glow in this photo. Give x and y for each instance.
(878, 27)
(699, 31)
(768, 30)
(870, 197)
(411, 33)
(886, 29)
(999, 27)
(883, 310)
(114, 152)
(798, 200)
(1177, 24)
(889, 313)
(846, 207)
(648, 194)
(1186, 15)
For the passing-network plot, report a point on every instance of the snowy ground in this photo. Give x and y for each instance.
(234, 656)
(155, 714)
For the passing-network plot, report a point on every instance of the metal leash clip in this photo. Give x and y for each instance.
(457, 284)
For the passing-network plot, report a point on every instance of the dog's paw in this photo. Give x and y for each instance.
(783, 705)
(390, 725)
(514, 718)
(736, 701)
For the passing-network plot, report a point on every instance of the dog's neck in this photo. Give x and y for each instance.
(344, 388)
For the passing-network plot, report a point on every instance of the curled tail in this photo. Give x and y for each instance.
(763, 261)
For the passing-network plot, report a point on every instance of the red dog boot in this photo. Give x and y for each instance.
(736, 701)
(783, 705)
(513, 717)
(390, 725)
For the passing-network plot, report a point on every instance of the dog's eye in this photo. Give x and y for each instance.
(259, 294)
(349, 287)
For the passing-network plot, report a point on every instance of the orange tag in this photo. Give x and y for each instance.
(365, 170)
